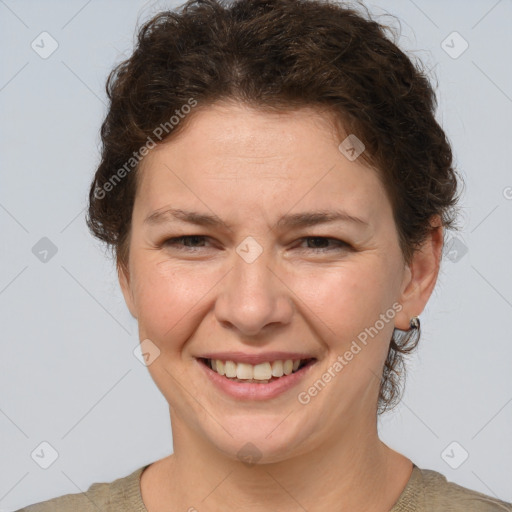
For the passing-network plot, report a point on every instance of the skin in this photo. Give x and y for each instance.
(249, 168)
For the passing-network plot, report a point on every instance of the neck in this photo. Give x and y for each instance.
(353, 472)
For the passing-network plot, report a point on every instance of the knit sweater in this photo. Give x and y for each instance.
(426, 491)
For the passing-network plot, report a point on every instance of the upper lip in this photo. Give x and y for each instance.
(241, 357)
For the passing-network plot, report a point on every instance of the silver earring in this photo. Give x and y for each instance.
(415, 322)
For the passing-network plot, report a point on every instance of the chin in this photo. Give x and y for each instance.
(261, 439)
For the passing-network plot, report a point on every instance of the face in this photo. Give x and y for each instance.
(254, 280)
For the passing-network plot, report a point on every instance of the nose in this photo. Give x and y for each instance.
(253, 297)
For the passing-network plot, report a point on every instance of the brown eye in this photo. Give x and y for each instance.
(188, 241)
(321, 244)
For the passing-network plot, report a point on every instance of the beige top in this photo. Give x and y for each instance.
(426, 491)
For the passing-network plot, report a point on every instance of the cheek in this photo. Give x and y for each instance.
(348, 298)
(169, 298)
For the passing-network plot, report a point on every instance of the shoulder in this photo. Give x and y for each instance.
(439, 492)
(428, 490)
(121, 494)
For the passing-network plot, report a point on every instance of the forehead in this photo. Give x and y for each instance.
(246, 156)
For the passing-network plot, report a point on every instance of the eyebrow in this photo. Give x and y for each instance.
(295, 220)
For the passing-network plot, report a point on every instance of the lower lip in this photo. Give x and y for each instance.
(252, 391)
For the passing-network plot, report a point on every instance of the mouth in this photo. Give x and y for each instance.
(262, 373)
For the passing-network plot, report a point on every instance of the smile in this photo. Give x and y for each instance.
(260, 381)
(261, 373)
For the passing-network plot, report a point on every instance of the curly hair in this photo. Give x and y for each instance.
(278, 55)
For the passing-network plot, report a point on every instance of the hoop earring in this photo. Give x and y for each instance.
(414, 323)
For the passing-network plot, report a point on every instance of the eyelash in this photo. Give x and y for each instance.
(340, 244)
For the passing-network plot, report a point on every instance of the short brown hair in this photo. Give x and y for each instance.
(282, 55)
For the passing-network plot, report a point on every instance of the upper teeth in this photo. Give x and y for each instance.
(262, 371)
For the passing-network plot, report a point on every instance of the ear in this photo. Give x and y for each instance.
(124, 281)
(421, 276)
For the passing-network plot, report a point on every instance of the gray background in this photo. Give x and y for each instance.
(68, 374)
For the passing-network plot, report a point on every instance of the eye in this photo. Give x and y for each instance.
(186, 242)
(338, 244)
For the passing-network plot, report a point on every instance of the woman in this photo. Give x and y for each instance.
(276, 190)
